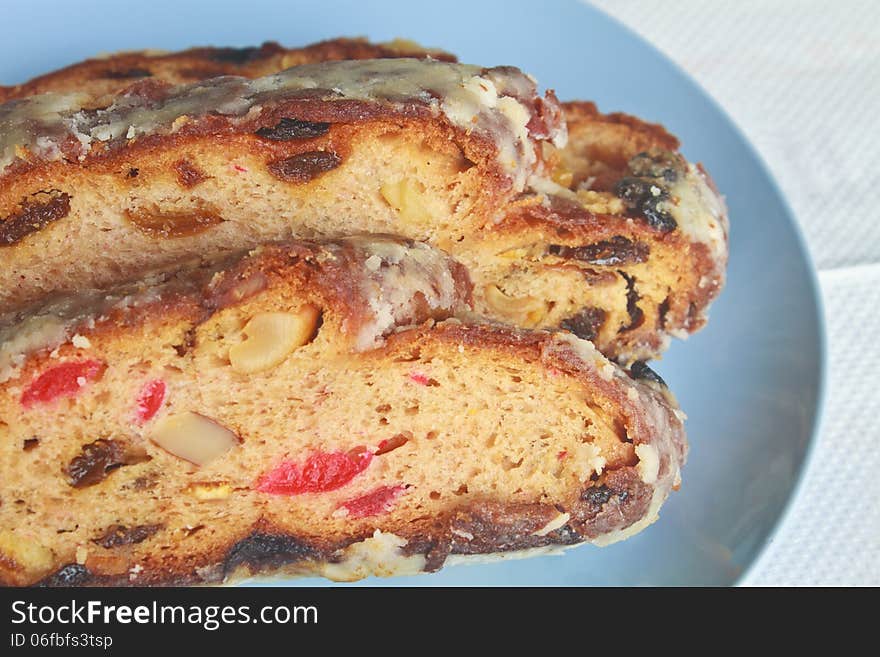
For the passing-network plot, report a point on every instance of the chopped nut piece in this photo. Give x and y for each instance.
(206, 491)
(527, 310)
(193, 437)
(408, 199)
(271, 337)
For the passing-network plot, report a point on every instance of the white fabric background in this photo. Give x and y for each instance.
(802, 80)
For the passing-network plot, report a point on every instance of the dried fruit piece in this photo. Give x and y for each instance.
(206, 491)
(423, 379)
(271, 337)
(304, 167)
(586, 324)
(646, 190)
(390, 444)
(170, 224)
(640, 370)
(321, 472)
(119, 535)
(33, 214)
(126, 73)
(408, 199)
(193, 437)
(636, 315)
(245, 55)
(99, 458)
(287, 129)
(373, 503)
(150, 400)
(63, 380)
(618, 250)
(188, 174)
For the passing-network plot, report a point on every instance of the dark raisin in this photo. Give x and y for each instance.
(617, 251)
(647, 186)
(596, 495)
(586, 324)
(662, 311)
(640, 370)
(189, 341)
(265, 551)
(133, 172)
(304, 167)
(644, 197)
(287, 129)
(636, 316)
(33, 214)
(188, 174)
(72, 574)
(659, 219)
(237, 55)
(126, 74)
(98, 459)
(30, 443)
(119, 535)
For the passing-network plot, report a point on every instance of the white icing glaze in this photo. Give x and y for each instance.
(699, 212)
(489, 101)
(587, 460)
(553, 525)
(649, 463)
(38, 332)
(394, 275)
(584, 349)
(380, 556)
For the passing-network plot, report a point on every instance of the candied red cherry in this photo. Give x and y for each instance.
(373, 503)
(150, 400)
(321, 472)
(64, 380)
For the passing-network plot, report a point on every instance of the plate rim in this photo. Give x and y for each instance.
(818, 309)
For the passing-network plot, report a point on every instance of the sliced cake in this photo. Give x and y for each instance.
(311, 409)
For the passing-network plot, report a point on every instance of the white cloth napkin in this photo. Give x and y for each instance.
(802, 79)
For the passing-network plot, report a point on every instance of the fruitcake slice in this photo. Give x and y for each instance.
(427, 149)
(306, 409)
(622, 248)
(645, 229)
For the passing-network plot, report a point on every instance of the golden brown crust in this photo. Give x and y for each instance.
(613, 140)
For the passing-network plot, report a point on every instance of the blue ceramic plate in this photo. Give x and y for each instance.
(750, 382)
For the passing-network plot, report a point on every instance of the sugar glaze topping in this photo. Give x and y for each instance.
(498, 102)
